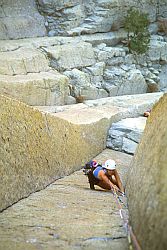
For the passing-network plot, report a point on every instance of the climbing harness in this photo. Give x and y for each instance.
(128, 228)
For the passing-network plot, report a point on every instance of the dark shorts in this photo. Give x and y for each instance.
(93, 179)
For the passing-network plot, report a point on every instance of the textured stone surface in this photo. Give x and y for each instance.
(136, 104)
(44, 88)
(109, 38)
(147, 182)
(134, 83)
(38, 18)
(67, 215)
(80, 17)
(23, 61)
(94, 70)
(37, 148)
(82, 84)
(125, 134)
(157, 50)
(132, 105)
(20, 19)
(73, 55)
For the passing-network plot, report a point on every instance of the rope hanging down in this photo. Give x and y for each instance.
(128, 228)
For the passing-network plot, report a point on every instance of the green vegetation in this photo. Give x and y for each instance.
(136, 23)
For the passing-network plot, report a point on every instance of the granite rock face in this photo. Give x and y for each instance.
(72, 55)
(68, 215)
(22, 61)
(20, 19)
(38, 148)
(44, 88)
(88, 68)
(147, 182)
(125, 134)
(88, 17)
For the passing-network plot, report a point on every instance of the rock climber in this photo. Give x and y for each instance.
(106, 177)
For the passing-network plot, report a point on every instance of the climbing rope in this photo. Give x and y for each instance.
(128, 228)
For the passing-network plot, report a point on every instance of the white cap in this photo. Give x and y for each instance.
(109, 164)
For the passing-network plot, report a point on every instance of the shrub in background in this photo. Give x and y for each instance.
(136, 24)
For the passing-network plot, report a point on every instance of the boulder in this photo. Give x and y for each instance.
(107, 53)
(38, 147)
(73, 55)
(97, 69)
(125, 135)
(92, 93)
(78, 78)
(44, 88)
(147, 182)
(158, 48)
(22, 61)
(134, 83)
(124, 81)
(82, 83)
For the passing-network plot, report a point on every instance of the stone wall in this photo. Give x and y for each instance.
(147, 182)
(38, 148)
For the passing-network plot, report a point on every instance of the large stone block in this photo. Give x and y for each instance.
(147, 182)
(37, 148)
(22, 61)
(157, 51)
(136, 104)
(44, 88)
(125, 134)
(133, 83)
(72, 55)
